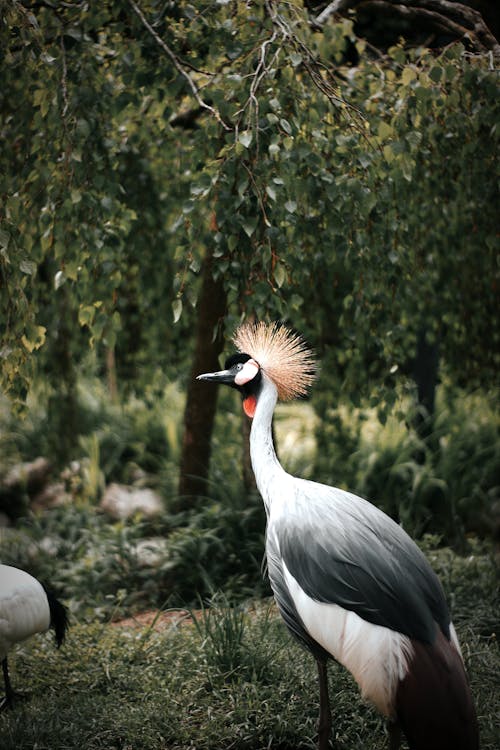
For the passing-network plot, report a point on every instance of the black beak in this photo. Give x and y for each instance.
(223, 376)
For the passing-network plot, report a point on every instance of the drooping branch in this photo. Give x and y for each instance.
(64, 80)
(452, 17)
(263, 68)
(178, 65)
(321, 76)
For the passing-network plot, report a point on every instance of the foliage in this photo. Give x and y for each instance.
(128, 439)
(91, 558)
(84, 232)
(447, 483)
(234, 648)
(219, 544)
(307, 178)
(146, 688)
(358, 202)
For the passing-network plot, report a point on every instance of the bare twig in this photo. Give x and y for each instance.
(178, 66)
(336, 7)
(258, 194)
(64, 80)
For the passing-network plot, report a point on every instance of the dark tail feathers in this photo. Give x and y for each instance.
(434, 702)
(59, 619)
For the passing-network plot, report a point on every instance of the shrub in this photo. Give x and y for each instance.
(447, 483)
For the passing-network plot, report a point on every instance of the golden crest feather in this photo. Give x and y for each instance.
(282, 354)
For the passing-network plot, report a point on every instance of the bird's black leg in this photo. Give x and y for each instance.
(394, 735)
(325, 714)
(10, 694)
(7, 699)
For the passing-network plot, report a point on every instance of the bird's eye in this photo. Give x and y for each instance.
(239, 366)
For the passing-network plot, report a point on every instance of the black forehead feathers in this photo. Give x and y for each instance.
(253, 386)
(236, 359)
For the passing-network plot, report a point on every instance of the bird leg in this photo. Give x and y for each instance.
(10, 694)
(7, 699)
(325, 714)
(394, 735)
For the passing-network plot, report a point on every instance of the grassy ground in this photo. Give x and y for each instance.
(234, 680)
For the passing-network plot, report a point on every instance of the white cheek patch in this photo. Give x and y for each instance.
(247, 372)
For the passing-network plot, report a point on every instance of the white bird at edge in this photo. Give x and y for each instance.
(348, 581)
(26, 608)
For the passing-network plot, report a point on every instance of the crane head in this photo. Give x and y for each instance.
(271, 348)
(243, 373)
(281, 353)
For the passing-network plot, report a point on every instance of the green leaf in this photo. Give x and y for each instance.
(436, 74)
(271, 192)
(86, 315)
(286, 126)
(71, 269)
(385, 130)
(245, 138)
(249, 225)
(4, 238)
(28, 267)
(177, 309)
(242, 186)
(414, 138)
(408, 75)
(59, 280)
(34, 337)
(279, 275)
(195, 265)
(389, 154)
(295, 59)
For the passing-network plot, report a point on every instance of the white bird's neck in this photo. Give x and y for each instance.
(265, 464)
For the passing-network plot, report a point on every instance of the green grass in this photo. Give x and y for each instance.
(236, 680)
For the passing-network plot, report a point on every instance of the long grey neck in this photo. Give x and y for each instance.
(265, 464)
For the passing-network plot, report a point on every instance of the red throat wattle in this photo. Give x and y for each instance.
(249, 406)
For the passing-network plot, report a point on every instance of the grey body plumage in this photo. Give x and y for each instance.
(342, 550)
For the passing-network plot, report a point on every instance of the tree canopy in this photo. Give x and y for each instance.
(350, 189)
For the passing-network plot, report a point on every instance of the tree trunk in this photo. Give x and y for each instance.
(111, 373)
(425, 373)
(63, 404)
(202, 398)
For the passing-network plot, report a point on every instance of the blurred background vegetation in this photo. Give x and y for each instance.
(169, 169)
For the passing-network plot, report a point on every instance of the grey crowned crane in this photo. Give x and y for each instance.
(348, 581)
(26, 608)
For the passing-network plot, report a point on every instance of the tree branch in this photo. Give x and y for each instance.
(453, 17)
(177, 65)
(336, 7)
(320, 75)
(263, 67)
(469, 18)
